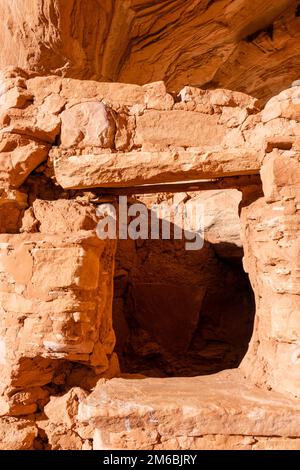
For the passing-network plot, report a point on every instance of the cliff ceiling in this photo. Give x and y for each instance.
(246, 45)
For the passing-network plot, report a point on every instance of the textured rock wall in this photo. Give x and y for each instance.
(245, 45)
(135, 140)
(272, 257)
(56, 275)
(55, 306)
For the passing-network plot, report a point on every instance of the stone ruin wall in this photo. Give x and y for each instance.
(57, 339)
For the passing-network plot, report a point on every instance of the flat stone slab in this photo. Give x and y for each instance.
(165, 413)
(137, 168)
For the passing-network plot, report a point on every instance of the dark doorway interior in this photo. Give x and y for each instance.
(178, 312)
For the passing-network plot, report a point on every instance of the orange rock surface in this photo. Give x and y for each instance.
(244, 45)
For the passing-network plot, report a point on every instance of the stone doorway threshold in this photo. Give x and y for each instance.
(220, 411)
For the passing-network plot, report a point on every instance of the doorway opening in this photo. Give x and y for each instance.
(179, 312)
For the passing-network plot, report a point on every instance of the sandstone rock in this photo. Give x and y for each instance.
(12, 77)
(271, 244)
(280, 172)
(128, 169)
(17, 434)
(33, 123)
(15, 97)
(23, 402)
(178, 313)
(73, 92)
(280, 131)
(272, 260)
(19, 156)
(36, 120)
(178, 128)
(60, 438)
(64, 216)
(63, 410)
(233, 117)
(21, 373)
(87, 124)
(125, 130)
(178, 411)
(53, 103)
(221, 220)
(45, 88)
(113, 94)
(156, 96)
(209, 101)
(29, 222)
(256, 52)
(285, 105)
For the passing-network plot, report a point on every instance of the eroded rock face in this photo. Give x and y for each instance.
(55, 308)
(17, 434)
(242, 45)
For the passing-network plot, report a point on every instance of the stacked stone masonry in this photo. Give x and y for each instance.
(62, 141)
